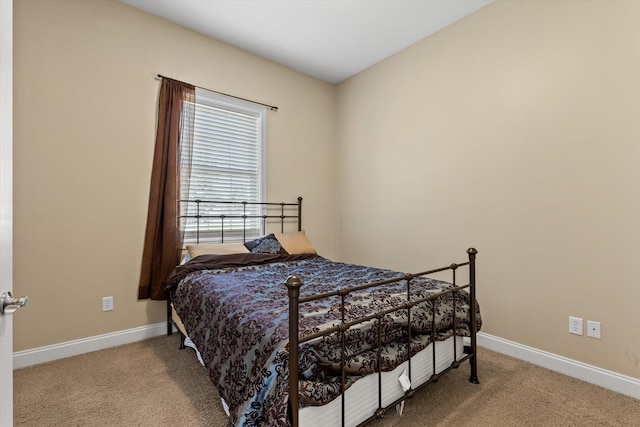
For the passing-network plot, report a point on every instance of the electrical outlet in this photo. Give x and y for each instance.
(575, 325)
(107, 303)
(593, 329)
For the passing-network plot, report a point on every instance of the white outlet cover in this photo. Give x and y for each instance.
(593, 329)
(107, 303)
(575, 325)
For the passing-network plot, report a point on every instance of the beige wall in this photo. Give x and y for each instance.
(85, 104)
(516, 130)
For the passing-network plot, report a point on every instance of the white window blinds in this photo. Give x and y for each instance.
(225, 164)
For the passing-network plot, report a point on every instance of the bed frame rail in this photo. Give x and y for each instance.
(294, 283)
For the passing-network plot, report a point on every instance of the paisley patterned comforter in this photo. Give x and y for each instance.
(235, 309)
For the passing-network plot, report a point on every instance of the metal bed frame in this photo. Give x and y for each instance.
(294, 284)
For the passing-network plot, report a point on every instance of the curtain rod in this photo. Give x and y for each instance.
(271, 107)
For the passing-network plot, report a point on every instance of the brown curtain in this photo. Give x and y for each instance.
(162, 243)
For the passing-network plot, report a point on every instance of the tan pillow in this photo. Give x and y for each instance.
(296, 242)
(217, 249)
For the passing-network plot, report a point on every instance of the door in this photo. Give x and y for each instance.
(6, 207)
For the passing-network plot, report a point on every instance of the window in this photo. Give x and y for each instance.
(225, 162)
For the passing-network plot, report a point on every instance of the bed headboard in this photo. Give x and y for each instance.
(217, 220)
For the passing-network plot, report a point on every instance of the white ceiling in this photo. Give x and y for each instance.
(328, 39)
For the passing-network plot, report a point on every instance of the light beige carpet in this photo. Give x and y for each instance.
(152, 383)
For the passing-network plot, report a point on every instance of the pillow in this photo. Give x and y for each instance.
(217, 249)
(296, 242)
(186, 256)
(265, 245)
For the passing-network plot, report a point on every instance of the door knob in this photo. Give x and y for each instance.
(9, 304)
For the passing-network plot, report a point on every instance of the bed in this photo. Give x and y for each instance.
(291, 338)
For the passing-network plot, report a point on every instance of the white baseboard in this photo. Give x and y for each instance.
(49, 353)
(610, 380)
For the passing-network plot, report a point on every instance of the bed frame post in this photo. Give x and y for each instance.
(169, 324)
(299, 213)
(473, 361)
(293, 284)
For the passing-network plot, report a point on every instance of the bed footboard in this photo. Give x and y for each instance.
(294, 283)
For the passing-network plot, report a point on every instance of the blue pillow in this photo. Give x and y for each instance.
(265, 245)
